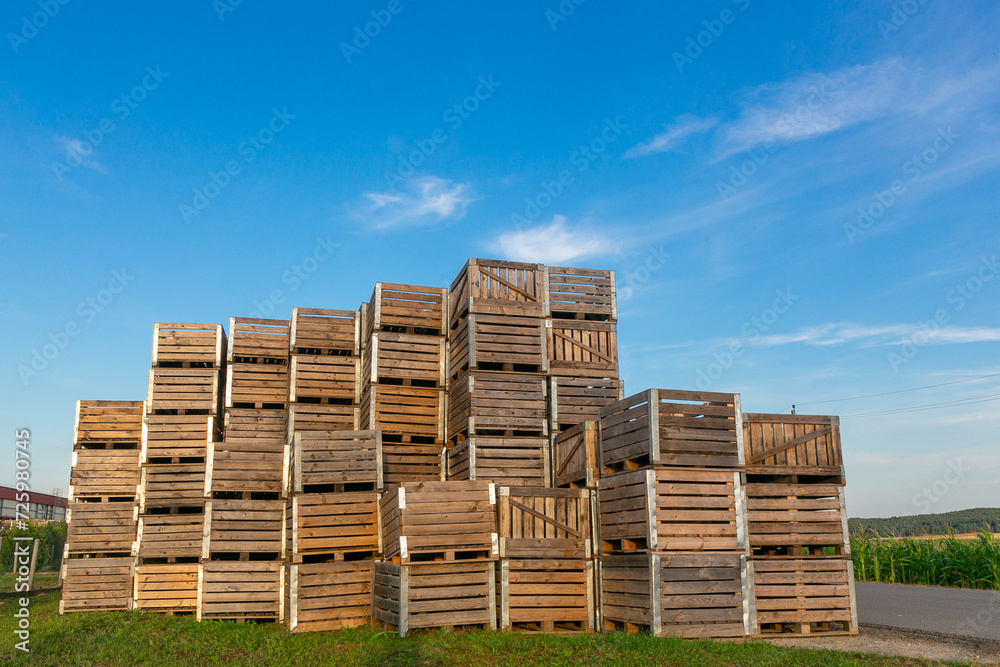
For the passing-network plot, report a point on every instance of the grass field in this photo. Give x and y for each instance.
(113, 639)
(949, 561)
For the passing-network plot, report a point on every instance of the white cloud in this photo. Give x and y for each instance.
(77, 152)
(682, 127)
(425, 200)
(554, 243)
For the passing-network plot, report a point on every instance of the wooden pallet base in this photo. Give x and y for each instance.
(805, 596)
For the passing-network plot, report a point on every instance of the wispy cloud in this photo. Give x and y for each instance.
(672, 135)
(423, 201)
(554, 243)
(76, 151)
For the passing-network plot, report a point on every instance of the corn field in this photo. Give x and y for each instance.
(948, 561)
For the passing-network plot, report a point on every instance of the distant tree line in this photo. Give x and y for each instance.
(962, 521)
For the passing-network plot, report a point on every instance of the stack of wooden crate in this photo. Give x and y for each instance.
(324, 388)
(102, 510)
(241, 573)
(801, 558)
(497, 401)
(672, 518)
(404, 377)
(183, 410)
(332, 529)
(440, 552)
(546, 575)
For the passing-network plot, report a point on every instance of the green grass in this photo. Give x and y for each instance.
(47, 579)
(929, 562)
(112, 639)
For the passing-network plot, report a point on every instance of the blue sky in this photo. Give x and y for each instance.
(800, 200)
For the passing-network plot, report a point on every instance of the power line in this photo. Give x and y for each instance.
(899, 391)
(986, 398)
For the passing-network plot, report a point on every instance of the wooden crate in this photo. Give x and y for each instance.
(497, 404)
(512, 461)
(170, 588)
(326, 526)
(252, 470)
(581, 294)
(185, 345)
(424, 521)
(324, 379)
(104, 470)
(433, 595)
(415, 414)
(257, 341)
(107, 422)
(315, 331)
(547, 595)
(681, 595)
(192, 391)
(101, 528)
(498, 343)
(406, 309)
(96, 584)
(409, 359)
(805, 597)
(670, 509)
(408, 462)
(797, 519)
(244, 529)
(248, 426)
(241, 591)
(177, 438)
(309, 417)
(324, 461)
(539, 523)
(580, 348)
(329, 596)
(574, 400)
(672, 428)
(174, 537)
(799, 445)
(255, 385)
(574, 453)
(172, 485)
(499, 288)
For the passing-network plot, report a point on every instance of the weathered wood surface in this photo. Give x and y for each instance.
(805, 596)
(409, 462)
(792, 444)
(170, 536)
(406, 309)
(326, 379)
(244, 527)
(417, 413)
(581, 293)
(256, 385)
(329, 596)
(547, 594)
(253, 429)
(504, 460)
(497, 404)
(496, 287)
(258, 341)
(439, 521)
(672, 428)
(184, 390)
(497, 343)
(101, 528)
(241, 591)
(96, 584)
(167, 588)
(255, 466)
(787, 519)
(171, 437)
(402, 358)
(574, 453)
(333, 524)
(669, 509)
(324, 459)
(111, 471)
(188, 345)
(581, 348)
(432, 595)
(166, 485)
(316, 331)
(544, 523)
(107, 421)
(574, 400)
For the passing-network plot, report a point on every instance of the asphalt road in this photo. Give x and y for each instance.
(952, 611)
